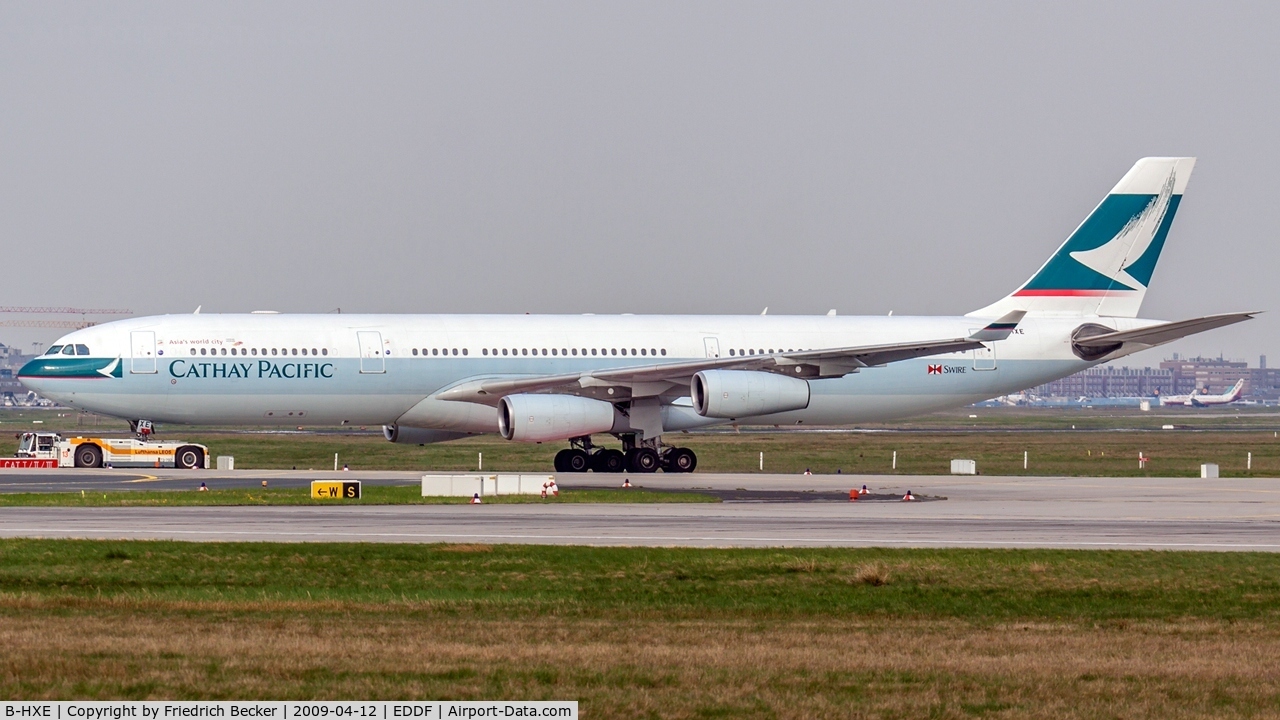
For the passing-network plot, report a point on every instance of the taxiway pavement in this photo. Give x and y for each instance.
(1016, 512)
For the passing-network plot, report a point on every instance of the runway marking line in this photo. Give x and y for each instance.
(612, 538)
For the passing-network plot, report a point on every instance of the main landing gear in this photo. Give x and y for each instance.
(637, 456)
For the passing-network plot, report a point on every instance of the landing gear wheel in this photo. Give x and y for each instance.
(680, 460)
(577, 461)
(562, 460)
(88, 456)
(610, 461)
(188, 458)
(643, 460)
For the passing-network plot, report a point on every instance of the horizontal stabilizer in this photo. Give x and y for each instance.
(1000, 329)
(1163, 333)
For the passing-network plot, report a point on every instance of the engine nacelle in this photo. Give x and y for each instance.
(746, 393)
(542, 418)
(418, 436)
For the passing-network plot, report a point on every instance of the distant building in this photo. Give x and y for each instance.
(1176, 376)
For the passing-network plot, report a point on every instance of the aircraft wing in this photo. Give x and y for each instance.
(662, 378)
(656, 379)
(1165, 332)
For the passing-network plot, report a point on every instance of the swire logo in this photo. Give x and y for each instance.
(935, 369)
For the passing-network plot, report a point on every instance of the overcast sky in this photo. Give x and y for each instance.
(609, 157)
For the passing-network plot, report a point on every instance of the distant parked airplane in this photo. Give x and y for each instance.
(1201, 400)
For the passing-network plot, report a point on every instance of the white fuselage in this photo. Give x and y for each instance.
(253, 369)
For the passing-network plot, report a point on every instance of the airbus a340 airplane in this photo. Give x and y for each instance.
(429, 378)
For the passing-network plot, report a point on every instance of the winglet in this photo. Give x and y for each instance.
(1001, 328)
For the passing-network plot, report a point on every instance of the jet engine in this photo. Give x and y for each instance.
(746, 393)
(542, 418)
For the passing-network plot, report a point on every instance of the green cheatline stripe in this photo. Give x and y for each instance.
(69, 367)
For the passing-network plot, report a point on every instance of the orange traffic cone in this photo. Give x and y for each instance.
(853, 496)
(864, 491)
(626, 482)
(475, 499)
(908, 497)
(555, 489)
(544, 491)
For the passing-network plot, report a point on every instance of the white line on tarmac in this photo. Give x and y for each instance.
(30, 532)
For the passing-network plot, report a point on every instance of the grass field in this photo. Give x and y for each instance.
(370, 495)
(650, 632)
(1102, 445)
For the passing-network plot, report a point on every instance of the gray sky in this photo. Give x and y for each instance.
(609, 157)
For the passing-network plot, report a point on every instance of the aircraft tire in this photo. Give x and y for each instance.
(680, 460)
(577, 461)
(610, 461)
(88, 456)
(561, 462)
(643, 460)
(188, 458)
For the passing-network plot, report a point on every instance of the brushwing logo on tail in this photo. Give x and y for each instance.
(1114, 251)
(1132, 242)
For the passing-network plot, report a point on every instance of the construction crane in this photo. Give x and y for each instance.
(45, 310)
(83, 322)
(63, 324)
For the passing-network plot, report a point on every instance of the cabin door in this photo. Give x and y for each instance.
(372, 360)
(143, 359)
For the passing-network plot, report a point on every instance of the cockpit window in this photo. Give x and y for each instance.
(69, 350)
(53, 350)
(82, 349)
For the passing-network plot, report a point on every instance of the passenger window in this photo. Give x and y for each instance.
(224, 351)
(295, 351)
(304, 351)
(553, 351)
(524, 351)
(455, 351)
(504, 351)
(575, 351)
(313, 351)
(435, 351)
(82, 349)
(415, 351)
(203, 351)
(664, 351)
(615, 351)
(651, 351)
(730, 352)
(464, 351)
(254, 351)
(273, 351)
(484, 351)
(593, 351)
(544, 351)
(324, 351)
(642, 351)
(54, 350)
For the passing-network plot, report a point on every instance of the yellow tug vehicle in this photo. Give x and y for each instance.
(38, 449)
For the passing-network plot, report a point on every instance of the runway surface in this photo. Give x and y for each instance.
(1129, 513)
